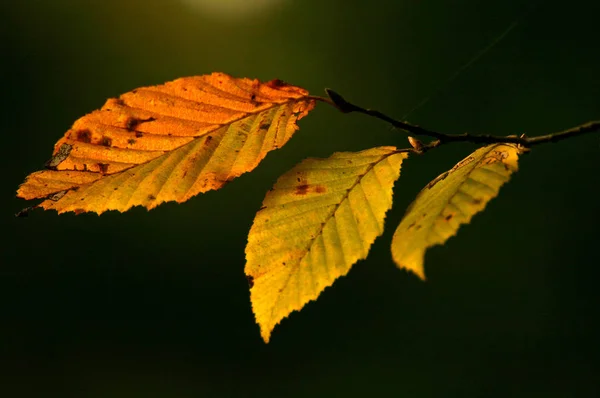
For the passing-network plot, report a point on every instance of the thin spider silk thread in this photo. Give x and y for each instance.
(471, 61)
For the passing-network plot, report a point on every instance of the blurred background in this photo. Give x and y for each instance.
(155, 304)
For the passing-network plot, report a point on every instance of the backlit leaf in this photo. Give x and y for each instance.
(319, 219)
(167, 143)
(451, 200)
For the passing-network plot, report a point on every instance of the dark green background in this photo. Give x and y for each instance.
(155, 304)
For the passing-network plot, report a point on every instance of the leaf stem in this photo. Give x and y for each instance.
(344, 106)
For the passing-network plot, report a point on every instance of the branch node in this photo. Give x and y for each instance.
(340, 103)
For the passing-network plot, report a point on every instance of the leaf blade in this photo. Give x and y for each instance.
(312, 228)
(451, 200)
(168, 143)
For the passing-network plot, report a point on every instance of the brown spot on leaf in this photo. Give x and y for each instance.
(477, 201)
(412, 225)
(131, 141)
(438, 179)
(84, 135)
(449, 217)
(265, 126)
(255, 88)
(301, 177)
(78, 211)
(250, 280)
(106, 141)
(139, 134)
(320, 189)
(59, 157)
(302, 189)
(207, 140)
(151, 197)
(276, 83)
(132, 123)
(57, 196)
(462, 163)
(103, 167)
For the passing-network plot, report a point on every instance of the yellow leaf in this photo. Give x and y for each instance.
(167, 143)
(319, 219)
(451, 200)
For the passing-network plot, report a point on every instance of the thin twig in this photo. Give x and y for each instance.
(585, 128)
(344, 106)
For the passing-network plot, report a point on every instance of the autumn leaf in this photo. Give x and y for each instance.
(451, 200)
(167, 143)
(319, 219)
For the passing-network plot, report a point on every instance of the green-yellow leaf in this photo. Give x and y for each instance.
(451, 200)
(319, 219)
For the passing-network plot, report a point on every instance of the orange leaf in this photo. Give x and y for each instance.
(167, 143)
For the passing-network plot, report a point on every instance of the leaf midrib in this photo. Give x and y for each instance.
(166, 154)
(327, 219)
(467, 176)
